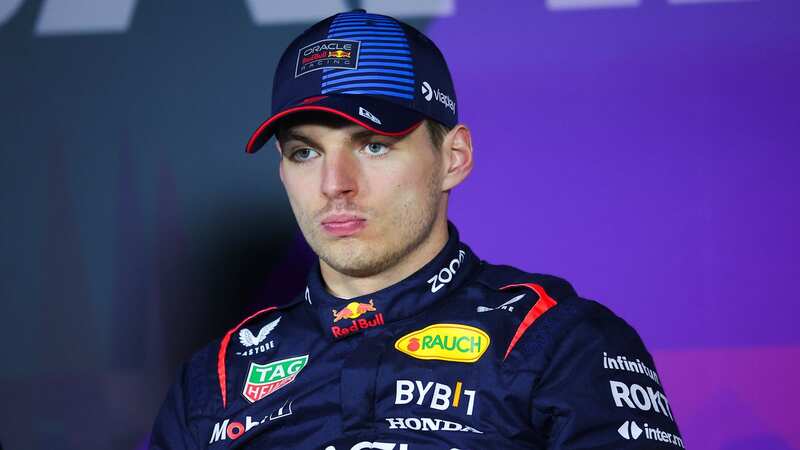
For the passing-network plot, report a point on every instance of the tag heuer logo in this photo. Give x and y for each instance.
(264, 379)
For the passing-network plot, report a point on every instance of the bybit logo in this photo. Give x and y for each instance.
(441, 398)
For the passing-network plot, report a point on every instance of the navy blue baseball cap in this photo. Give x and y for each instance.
(373, 70)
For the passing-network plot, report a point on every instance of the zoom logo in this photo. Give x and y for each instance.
(446, 273)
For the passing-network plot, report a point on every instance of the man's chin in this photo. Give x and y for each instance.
(351, 257)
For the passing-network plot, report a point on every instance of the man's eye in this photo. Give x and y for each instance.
(304, 154)
(376, 149)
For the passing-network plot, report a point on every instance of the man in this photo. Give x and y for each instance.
(404, 339)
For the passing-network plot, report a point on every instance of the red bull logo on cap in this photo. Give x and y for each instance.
(353, 311)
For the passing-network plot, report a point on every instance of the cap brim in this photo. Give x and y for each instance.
(379, 116)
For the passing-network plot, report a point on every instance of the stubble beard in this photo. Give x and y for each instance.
(408, 226)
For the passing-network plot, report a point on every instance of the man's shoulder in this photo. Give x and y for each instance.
(543, 310)
(505, 277)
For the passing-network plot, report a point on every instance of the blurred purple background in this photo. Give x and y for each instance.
(651, 147)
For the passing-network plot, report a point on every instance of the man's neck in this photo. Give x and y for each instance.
(346, 287)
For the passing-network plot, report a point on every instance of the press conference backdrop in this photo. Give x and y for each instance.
(646, 150)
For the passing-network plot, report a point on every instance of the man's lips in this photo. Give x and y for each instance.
(343, 225)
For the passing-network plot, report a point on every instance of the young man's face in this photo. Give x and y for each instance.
(363, 201)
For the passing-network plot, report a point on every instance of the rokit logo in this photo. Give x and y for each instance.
(233, 430)
(438, 396)
(630, 430)
(446, 273)
(247, 339)
(429, 93)
(638, 397)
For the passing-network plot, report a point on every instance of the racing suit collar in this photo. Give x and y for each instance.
(442, 275)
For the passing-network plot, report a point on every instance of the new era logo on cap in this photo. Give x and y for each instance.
(364, 113)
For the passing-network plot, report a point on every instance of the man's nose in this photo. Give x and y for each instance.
(339, 174)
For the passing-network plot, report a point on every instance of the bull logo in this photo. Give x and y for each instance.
(353, 310)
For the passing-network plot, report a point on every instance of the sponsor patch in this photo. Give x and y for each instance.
(364, 113)
(427, 424)
(507, 306)
(630, 430)
(445, 341)
(264, 379)
(446, 273)
(623, 363)
(327, 53)
(232, 430)
(256, 344)
(354, 311)
(639, 397)
(438, 396)
(434, 94)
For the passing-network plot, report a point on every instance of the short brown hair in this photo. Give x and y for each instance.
(437, 132)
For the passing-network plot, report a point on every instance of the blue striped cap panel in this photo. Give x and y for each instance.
(385, 66)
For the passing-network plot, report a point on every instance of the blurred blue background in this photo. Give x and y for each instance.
(651, 145)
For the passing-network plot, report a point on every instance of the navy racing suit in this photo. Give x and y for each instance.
(462, 354)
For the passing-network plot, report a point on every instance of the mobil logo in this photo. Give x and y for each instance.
(232, 430)
(445, 341)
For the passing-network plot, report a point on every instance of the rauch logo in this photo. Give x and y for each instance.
(445, 341)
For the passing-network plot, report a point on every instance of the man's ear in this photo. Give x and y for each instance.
(280, 158)
(457, 153)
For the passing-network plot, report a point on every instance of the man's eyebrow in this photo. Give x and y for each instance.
(365, 135)
(304, 139)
